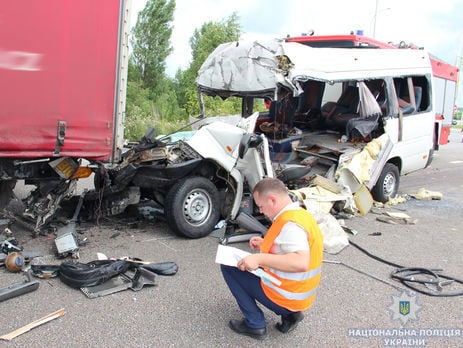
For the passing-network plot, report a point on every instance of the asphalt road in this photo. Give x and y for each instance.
(357, 303)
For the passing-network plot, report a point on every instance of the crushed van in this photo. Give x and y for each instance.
(363, 117)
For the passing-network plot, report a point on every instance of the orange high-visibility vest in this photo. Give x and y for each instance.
(297, 289)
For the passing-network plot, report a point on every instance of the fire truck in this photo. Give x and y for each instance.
(445, 76)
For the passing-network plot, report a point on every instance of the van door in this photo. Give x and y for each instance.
(411, 126)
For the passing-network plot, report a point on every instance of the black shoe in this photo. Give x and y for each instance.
(239, 326)
(289, 323)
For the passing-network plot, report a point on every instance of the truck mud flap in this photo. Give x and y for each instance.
(166, 268)
(6, 192)
(130, 280)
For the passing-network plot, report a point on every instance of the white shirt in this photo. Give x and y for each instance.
(292, 236)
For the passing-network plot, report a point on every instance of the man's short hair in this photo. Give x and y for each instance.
(270, 185)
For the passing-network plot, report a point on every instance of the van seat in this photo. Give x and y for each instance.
(338, 114)
(407, 107)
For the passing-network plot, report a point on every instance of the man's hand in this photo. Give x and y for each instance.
(255, 242)
(249, 263)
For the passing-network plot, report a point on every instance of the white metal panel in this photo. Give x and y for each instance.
(444, 98)
(121, 76)
(439, 94)
(218, 141)
(336, 64)
(449, 101)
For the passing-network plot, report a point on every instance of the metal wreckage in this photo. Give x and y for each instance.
(329, 167)
(95, 279)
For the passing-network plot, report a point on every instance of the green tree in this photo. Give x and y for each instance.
(151, 97)
(151, 42)
(203, 42)
(143, 111)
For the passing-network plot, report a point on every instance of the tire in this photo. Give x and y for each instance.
(387, 185)
(192, 207)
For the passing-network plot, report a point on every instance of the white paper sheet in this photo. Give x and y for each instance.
(230, 256)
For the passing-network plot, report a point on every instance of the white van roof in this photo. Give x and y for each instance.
(247, 68)
(334, 64)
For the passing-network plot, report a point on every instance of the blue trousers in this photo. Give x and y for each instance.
(246, 289)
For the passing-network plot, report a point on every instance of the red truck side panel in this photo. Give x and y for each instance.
(58, 63)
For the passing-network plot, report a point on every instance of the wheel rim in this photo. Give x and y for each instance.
(197, 207)
(389, 185)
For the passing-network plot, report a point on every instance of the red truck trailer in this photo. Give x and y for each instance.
(445, 76)
(63, 67)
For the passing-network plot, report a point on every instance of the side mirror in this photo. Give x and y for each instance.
(248, 140)
(244, 145)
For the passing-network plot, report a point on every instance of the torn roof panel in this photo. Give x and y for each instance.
(242, 67)
(246, 68)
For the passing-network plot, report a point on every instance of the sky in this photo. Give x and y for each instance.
(435, 25)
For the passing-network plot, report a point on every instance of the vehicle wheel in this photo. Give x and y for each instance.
(387, 185)
(192, 207)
